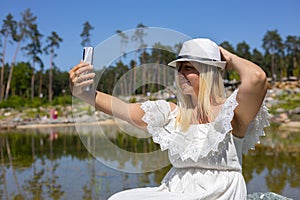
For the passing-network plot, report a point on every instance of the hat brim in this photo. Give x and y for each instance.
(219, 64)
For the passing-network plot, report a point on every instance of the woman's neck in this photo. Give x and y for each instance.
(198, 118)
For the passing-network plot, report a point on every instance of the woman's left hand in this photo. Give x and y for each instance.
(80, 76)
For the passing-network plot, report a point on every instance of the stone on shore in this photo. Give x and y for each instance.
(266, 196)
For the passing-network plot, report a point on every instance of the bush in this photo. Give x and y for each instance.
(63, 100)
(13, 102)
(35, 103)
(19, 102)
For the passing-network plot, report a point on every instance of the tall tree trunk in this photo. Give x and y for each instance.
(11, 70)
(2, 69)
(294, 65)
(134, 74)
(50, 78)
(32, 82)
(40, 83)
(144, 71)
(164, 74)
(129, 91)
(32, 85)
(273, 68)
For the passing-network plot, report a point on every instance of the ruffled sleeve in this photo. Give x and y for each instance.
(157, 115)
(256, 129)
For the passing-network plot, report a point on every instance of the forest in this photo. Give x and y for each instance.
(37, 82)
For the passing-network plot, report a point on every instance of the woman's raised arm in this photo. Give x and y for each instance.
(251, 92)
(130, 112)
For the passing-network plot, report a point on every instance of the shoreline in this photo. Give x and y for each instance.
(10, 126)
(288, 125)
(51, 125)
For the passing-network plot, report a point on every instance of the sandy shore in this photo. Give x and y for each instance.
(50, 125)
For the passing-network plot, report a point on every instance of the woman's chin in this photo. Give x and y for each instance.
(187, 89)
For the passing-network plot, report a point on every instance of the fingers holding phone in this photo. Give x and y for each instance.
(81, 76)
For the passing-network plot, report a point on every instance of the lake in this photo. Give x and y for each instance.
(85, 162)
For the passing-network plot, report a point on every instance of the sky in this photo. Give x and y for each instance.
(232, 20)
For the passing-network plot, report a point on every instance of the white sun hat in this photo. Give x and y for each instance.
(201, 50)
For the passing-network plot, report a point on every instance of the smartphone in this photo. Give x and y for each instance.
(87, 57)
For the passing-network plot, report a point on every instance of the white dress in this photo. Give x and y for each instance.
(206, 160)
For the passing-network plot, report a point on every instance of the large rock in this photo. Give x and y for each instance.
(266, 196)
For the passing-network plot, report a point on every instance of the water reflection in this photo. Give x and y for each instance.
(275, 165)
(54, 164)
(117, 149)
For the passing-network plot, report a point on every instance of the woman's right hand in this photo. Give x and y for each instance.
(81, 76)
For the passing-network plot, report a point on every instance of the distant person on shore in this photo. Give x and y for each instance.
(205, 133)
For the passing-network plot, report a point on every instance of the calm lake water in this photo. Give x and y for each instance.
(54, 163)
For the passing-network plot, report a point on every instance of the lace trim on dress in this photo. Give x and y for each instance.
(207, 137)
(256, 129)
(194, 144)
(223, 120)
(198, 143)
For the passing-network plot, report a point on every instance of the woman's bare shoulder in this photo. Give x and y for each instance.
(172, 106)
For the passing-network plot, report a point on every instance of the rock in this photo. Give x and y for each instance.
(296, 110)
(280, 110)
(281, 118)
(291, 125)
(266, 196)
(85, 118)
(7, 114)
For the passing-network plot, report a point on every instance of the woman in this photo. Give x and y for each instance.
(206, 133)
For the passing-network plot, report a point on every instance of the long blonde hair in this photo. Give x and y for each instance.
(211, 92)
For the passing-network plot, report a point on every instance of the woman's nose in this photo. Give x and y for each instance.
(183, 74)
(180, 74)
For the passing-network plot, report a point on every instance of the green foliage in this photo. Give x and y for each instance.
(243, 50)
(19, 102)
(85, 34)
(21, 79)
(33, 113)
(13, 102)
(62, 100)
(36, 102)
(132, 100)
(233, 75)
(287, 102)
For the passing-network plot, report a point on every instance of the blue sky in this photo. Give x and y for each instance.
(234, 21)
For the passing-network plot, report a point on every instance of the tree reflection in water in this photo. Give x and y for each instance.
(54, 164)
(278, 160)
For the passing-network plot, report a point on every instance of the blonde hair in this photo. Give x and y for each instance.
(211, 92)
